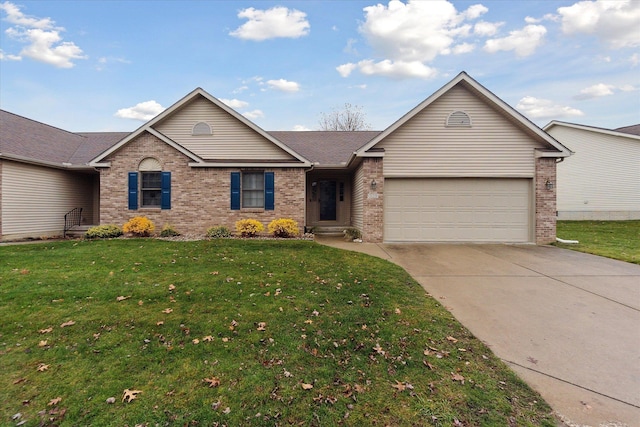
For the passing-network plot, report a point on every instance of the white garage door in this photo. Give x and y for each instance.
(457, 210)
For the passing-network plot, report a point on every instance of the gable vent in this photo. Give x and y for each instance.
(149, 164)
(459, 119)
(201, 128)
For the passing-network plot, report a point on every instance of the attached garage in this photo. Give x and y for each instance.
(458, 210)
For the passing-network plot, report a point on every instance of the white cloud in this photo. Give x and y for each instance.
(252, 115)
(142, 111)
(634, 60)
(9, 57)
(595, 91)
(627, 88)
(16, 17)
(615, 22)
(398, 69)
(284, 85)
(349, 48)
(545, 109)
(524, 42)
(300, 128)
(346, 69)
(487, 29)
(362, 86)
(463, 48)
(235, 103)
(417, 30)
(272, 23)
(42, 39)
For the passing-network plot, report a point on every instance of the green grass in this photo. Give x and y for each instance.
(612, 239)
(269, 316)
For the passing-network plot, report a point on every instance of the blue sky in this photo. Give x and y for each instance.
(111, 65)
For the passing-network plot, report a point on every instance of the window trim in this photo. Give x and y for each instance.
(237, 191)
(201, 129)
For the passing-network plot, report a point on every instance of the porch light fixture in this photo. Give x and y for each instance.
(374, 184)
(548, 185)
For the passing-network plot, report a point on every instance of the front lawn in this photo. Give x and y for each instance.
(237, 332)
(612, 239)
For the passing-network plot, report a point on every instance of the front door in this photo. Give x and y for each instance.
(327, 199)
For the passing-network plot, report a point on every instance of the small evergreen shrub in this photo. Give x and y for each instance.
(249, 227)
(139, 226)
(106, 231)
(218, 232)
(284, 227)
(168, 231)
(352, 234)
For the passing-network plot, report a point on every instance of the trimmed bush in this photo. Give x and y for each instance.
(284, 227)
(106, 231)
(168, 231)
(352, 234)
(218, 232)
(249, 227)
(139, 226)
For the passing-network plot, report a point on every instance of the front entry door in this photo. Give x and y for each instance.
(327, 199)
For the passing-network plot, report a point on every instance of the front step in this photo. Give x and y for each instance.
(336, 230)
(78, 231)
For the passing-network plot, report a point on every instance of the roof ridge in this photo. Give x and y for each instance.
(43, 124)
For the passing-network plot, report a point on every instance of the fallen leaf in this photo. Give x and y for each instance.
(130, 395)
(167, 310)
(172, 287)
(428, 365)
(399, 386)
(398, 311)
(140, 302)
(208, 338)
(45, 331)
(122, 298)
(42, 343)
(55, 401)
(262, 326)
(19, 380)
(452, 339)
(227, 410)
(306, 386)
(111, 400)
(358, 388)
(213, 381)
(532, 360)
(457, 377)
(159, 323)
(196, 341)
(69, 323)
(96, 336)
(42, 367)
(379, 349)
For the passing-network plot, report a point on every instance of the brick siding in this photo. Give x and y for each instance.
(545, 201)
(373, 200)
(200, 197)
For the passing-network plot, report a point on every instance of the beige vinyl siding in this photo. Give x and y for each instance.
(35, 199)
(357, 200)
(602, 179)
(492, 147)
(231, 139)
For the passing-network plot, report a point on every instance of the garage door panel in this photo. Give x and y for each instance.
(457, 210)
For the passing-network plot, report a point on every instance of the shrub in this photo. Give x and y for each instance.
(352, 234)
(283, 227)
(168, 231)
(218, 232)
(139, 226)
(103, 232)
(249, 227)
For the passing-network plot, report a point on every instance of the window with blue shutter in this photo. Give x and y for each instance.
(133, 190)
(235, 191)
(269, 191)
(165, 202)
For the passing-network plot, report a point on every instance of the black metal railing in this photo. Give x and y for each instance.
(72, 219)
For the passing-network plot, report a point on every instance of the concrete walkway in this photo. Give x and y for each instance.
(567, 323)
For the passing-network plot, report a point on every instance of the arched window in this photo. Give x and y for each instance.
(458, 119)
(201, 128)
(149, 186)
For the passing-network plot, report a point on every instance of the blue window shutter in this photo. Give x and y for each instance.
(165, 198)
(235, 191)
(269, 191)
(133, 190)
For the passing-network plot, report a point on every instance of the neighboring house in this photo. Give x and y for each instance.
(602, 179)
(463, 166)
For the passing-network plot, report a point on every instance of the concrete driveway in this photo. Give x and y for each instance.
(567, 323)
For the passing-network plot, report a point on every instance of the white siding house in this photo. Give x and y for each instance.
(601, 180)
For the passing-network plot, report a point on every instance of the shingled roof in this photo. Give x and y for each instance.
(325, 148)
(632, 130)
(28, 140)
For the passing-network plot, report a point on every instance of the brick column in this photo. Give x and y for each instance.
(373, 200)
(545, 200)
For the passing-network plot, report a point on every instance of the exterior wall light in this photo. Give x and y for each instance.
(549, 185)
(374, 184)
